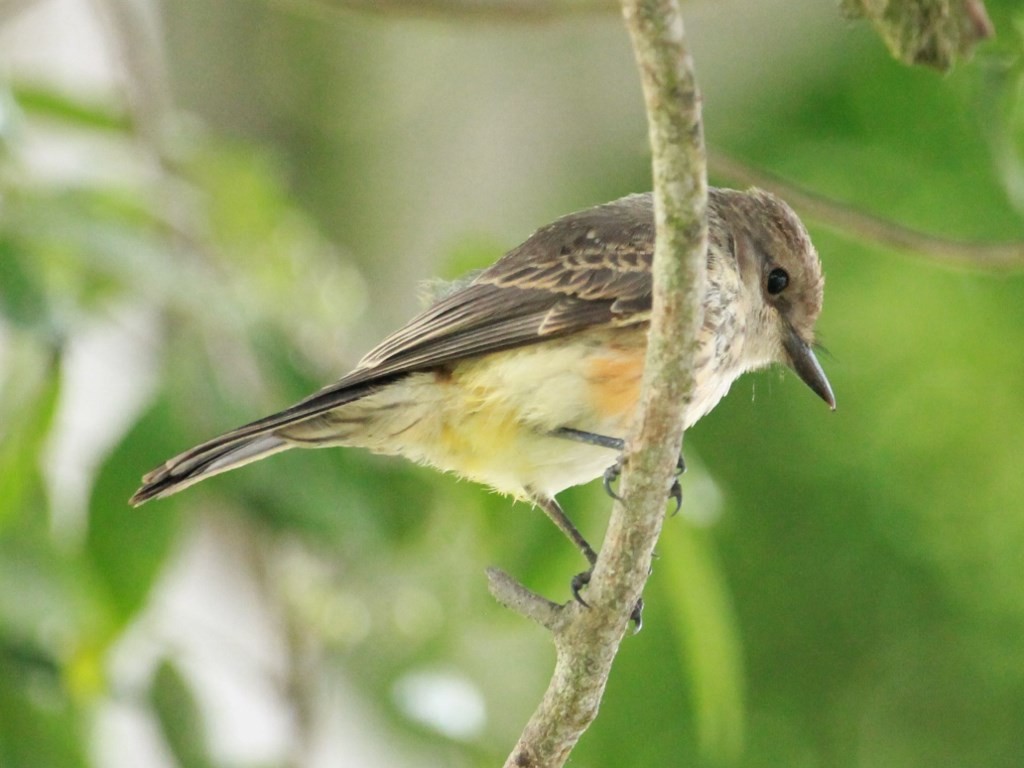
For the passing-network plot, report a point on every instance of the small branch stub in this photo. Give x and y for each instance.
(514, 596)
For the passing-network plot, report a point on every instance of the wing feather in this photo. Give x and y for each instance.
(585, 269)
(597, 258)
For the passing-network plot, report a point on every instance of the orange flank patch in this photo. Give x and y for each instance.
(614, 382)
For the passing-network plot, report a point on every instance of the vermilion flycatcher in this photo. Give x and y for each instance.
(526, 376)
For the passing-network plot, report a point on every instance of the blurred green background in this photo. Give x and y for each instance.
(207, 210)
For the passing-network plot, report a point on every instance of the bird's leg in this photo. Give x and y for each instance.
(554, 511)
(557, 515)
(611, 474)
(590, 438)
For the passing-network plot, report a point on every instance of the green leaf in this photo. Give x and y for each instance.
(22, 300)
(127, 546)
(23, 443)
(39, 727)
(179, 717)
(47, 102)
(708, 641)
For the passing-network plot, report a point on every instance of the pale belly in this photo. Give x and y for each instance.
(491, 419)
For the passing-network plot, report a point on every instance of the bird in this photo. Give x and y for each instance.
(525, 376)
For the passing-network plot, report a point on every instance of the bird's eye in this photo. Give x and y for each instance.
(778, 279)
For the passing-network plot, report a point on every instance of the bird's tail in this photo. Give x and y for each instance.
(211, 458)
(294, 426)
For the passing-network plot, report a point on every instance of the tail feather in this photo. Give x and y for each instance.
(248, 443)
(211, 458)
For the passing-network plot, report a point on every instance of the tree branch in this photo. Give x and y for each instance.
(587, 639)
(471, 10)
(994, 256)
(518, 598)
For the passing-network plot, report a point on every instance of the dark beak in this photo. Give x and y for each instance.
(803, 361)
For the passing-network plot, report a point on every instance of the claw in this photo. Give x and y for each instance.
(610, 476)
(637, 615)
(579, 581)
(680, 465)
(676, 493)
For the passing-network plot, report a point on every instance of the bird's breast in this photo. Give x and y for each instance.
(491, 418)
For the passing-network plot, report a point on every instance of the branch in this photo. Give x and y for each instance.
(587, 639)
(472, 10)
(995, 256)
(518, 598)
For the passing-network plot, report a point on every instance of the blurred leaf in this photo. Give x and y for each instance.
(929, 32)
(466, 256)
(20, 659)
(39, 727)
(247, 194)
(48, 102)
(23, 442)
(22, 299)
(709, 644)
(88, 246)
(180, 720)
(10, 119)
(1001, 116)
(282, 270)
(49, 606)
(45, 610)
(127, 546)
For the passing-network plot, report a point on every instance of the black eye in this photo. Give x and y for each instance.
(778, 279)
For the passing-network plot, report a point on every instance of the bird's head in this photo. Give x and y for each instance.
(781, 282)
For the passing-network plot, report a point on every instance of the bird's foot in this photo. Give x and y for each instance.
(580, 580)
(675, 492)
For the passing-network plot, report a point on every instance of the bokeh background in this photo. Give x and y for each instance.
(208, 210)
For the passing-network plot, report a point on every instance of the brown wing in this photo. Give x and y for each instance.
(585, 269)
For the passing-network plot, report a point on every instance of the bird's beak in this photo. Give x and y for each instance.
(803, 361)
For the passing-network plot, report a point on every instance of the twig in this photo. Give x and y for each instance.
(995, 256)
(587, 641)
(518, 598)
(464, 10)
